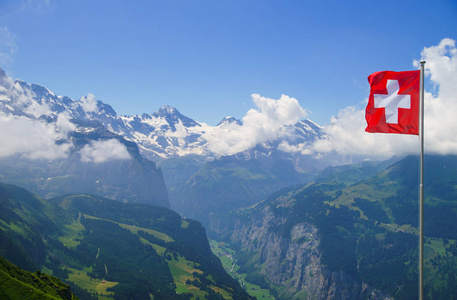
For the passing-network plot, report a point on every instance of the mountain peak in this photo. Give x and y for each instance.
(168, 110)
(173, 116)
(229, 120)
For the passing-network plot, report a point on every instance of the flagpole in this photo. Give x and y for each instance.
(421, 188)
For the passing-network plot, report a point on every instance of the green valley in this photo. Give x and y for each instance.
(227, 257)
(107, 249)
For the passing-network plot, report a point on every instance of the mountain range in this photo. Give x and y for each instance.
(88, 148)
(86, 198)
(54, 146)
(160, 135)
(351, 233)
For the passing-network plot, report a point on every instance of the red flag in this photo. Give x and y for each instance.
(393, 105)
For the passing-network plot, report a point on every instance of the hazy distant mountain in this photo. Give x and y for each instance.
(229, 183)
(201, 181)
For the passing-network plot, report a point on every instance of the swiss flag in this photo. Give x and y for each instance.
(393, 105)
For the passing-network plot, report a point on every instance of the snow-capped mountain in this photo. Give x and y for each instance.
(207, 169)
(167, 133)
(54, 145)
(229, 120)
(160, 135)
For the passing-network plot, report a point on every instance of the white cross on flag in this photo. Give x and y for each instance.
(393, 105)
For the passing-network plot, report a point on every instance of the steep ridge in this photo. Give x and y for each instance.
(123, 250)
(343, 239)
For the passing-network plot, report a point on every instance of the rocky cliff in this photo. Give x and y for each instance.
(289, 258)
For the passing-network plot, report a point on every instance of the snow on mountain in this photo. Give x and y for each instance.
(167, 133)
(160, 135)
(54, 145)
(229, 120)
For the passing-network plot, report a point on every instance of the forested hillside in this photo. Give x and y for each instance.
(106, 248)
(351, 235)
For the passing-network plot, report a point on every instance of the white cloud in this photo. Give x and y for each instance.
(88, 103)
(264, 124)
(103, 151)
(37, 110)
(63, 124)
(440, 110)
(21, 99)
(302, 148)
(346, 132)
(30, 138)
(26, 135)
(346, 135)
(180, 132)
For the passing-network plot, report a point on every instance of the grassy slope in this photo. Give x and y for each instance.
(99, 286)
(181, 269)
(19, 284)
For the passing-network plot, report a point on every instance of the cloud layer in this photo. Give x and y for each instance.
(265, 123)
(88, 103)
(103, 151)
(31, 138)
(345, 134)
(23, 132)
(440, 110)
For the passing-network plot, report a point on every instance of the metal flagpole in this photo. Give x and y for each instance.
(421, 188)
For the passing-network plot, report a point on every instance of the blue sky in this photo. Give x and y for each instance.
(206, 58)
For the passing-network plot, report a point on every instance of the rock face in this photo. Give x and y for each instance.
(290, 261)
